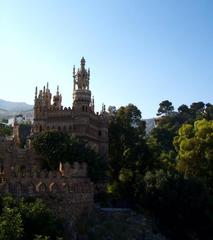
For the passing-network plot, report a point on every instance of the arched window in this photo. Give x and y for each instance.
(53, 187)
(41, 187)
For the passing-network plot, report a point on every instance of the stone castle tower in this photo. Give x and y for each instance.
(80, 120)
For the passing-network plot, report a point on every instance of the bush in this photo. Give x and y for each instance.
(28, 220)
(182, 207)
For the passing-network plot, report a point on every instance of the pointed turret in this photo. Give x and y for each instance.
(81, 92)
(81, 78)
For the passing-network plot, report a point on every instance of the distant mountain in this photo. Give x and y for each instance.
(3, 110)
(15, 106)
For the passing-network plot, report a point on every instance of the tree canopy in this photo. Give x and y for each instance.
(165, 108)
(194, 144)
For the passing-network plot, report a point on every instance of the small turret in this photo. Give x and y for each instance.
(57, 99)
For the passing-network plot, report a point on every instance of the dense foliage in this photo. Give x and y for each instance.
(128, 152)
(180, 205)
(28, 220)
(56, 147)
(168, 173)
(194, 144)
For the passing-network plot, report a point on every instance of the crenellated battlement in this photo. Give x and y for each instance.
(76, 170)
(67, 188)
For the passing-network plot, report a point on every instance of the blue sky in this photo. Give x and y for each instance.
(139, 51)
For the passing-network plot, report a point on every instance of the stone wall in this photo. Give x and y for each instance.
(67, 191)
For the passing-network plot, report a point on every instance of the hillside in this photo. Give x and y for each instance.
(10, 109)
(14, 106)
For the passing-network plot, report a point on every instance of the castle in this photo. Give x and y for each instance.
(69, 187)
(80, 120)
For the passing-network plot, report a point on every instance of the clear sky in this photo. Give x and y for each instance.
(138, 51)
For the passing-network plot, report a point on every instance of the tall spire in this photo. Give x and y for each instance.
(83, 62)
(36, 92)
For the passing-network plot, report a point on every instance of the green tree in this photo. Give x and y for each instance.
(38, 220)
(208, 113)
(160, 140)
(197, 110)
(129, 155)
(24, 219)
(81, 152)
(56, 147)
(183, 108)
(53, 146)
(165, 108)
(194, 145)
(181, 206)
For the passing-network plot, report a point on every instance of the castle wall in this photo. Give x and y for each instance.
(68, 191)
(87, 126)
